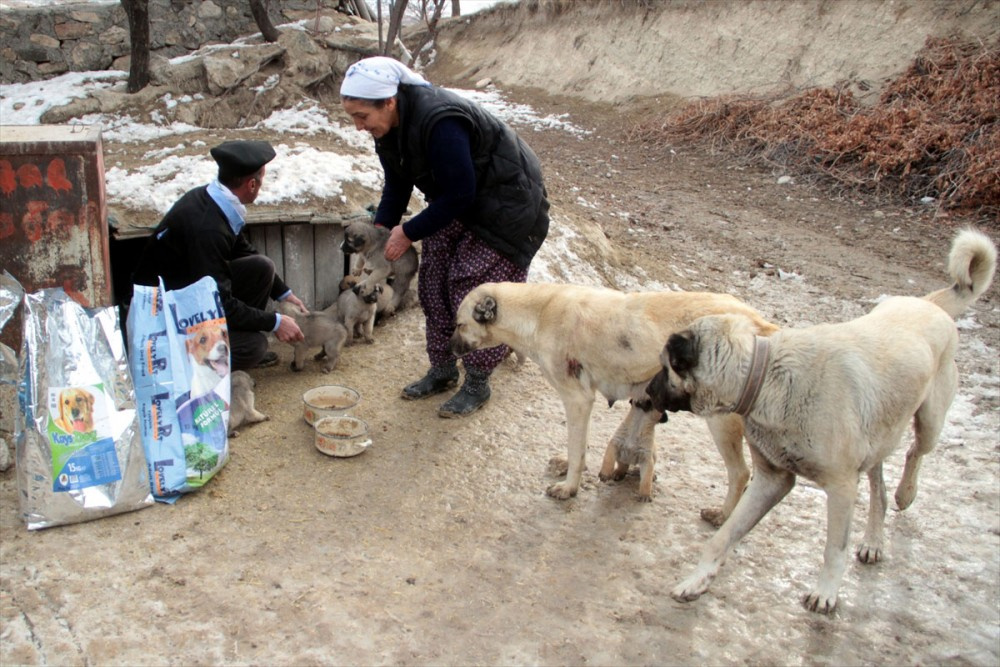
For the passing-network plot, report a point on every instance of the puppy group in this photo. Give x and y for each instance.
(828, 402)
(374, 289)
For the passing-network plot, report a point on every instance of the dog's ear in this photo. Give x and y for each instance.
(682, 350)
(486, 310)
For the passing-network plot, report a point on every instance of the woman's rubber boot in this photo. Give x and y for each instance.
(438, 379)
(473, 395)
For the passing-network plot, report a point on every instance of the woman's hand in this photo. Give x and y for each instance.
(397, 244)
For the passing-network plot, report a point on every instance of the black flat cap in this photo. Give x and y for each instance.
(241, 158)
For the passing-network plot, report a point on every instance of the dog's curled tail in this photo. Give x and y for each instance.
(971, 264)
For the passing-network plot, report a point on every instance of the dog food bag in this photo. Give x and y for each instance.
(79, 455)
(179, 354)
(11, 294)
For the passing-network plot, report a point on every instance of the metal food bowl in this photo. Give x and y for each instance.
(331, 400)
(342, 436)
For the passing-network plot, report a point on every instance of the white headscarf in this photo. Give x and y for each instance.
(378, 78)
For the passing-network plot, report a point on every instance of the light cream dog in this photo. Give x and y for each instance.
(827, 402)
(590, 339)
(242, 404)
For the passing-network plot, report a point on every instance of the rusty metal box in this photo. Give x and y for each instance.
(53, 213)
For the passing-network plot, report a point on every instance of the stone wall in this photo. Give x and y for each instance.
(38, 43)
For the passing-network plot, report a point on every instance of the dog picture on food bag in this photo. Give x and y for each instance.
(74, 410)
(203, 411)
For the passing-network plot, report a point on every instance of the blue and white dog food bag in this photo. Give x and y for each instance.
(179, 352)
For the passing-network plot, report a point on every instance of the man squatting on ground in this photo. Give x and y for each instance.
(487, 211)
(203, 235)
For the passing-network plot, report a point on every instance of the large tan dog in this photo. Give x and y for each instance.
(591, 339)
(827, 402)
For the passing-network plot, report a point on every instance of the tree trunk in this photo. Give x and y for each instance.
(137, 12)
(395, 23)
(456, 9)
(361, 8)
(259, 10)
(431, 21)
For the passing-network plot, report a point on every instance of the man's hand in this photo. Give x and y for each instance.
(288, 329)
(297, 302)
(397, 244)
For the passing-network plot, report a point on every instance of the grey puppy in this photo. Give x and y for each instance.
(357, 307)
(241, 404)
(368, 241)
(320, 328)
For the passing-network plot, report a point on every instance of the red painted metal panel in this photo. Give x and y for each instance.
(53, 213)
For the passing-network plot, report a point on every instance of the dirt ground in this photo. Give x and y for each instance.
(438, 546)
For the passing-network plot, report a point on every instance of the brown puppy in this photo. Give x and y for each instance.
(357, 307)
(368, 241)
(320, 328)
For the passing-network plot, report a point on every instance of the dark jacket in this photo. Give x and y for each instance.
(510, 210)
(199, 242)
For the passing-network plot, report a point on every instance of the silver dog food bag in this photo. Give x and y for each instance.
(79, 455)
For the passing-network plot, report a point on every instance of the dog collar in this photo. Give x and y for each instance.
(755, 379)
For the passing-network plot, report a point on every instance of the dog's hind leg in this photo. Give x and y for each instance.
(870, 549)
(578, 410)
(927, 424)
(768, 486)
(840, 497)
(727, 432)
(333, 346)
(299, 359)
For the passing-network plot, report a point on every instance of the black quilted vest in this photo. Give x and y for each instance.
(510, 211)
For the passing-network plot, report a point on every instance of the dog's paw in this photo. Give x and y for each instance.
(905, 494)
(869, 553)
(561, 491)
(691, 588)
(295, 368)
(819, 602)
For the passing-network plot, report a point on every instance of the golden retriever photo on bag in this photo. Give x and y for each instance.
(827, 402)
(590, 340)
(76, 410)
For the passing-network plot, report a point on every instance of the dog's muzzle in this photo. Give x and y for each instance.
(661, 397)
(458, 346)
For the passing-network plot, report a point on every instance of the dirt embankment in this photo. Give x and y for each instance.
(615, 52)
